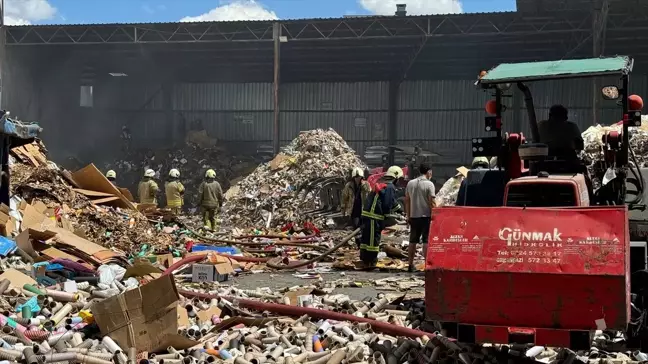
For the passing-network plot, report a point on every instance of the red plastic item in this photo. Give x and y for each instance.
(545, 268)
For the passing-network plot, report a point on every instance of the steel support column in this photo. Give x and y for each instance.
(392, 127)
(276, 34)
(599, 26)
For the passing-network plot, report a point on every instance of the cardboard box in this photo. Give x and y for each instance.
(202, 273)
(145, 318)
(223, 267)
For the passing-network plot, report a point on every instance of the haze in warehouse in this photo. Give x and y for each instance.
(349, 182)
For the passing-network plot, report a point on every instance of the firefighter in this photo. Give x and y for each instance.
(174, 191)
(112, 177)
(210, 198)
(148, 189)
(354, 195)
(381, 202)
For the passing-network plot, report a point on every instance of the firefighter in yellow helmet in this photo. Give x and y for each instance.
(354, 195)
(148, 189)
(210, 198)
(112, 177)
(381, 202)
(174, 191)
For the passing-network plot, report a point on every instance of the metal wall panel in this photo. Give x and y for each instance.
(334, 96)
(222, 96)
(233, 126)
(443, 95)
(122, 93)
(439, 125)
(352, 126)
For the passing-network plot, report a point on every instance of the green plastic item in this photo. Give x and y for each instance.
(26, 312)
(548, 70)
(33, 289)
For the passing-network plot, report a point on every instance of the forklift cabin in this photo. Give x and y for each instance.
(529, 173)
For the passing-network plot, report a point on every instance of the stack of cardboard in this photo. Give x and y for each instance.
(100, 190)
(32, 154)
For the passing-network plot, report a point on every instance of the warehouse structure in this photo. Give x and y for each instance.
(376, 80)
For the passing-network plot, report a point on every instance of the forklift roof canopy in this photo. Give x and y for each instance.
(551, 70)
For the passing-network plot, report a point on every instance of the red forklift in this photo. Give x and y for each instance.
(537, 249)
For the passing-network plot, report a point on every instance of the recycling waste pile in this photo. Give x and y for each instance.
(278, 192)
(592, 153)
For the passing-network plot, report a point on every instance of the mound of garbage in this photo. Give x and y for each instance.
(275, 192)
(46, 197)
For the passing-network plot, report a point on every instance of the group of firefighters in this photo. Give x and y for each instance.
(210, 193)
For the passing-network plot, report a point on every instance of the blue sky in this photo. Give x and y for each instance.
(125, 11)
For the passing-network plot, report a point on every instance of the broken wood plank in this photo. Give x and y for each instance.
(105, 200)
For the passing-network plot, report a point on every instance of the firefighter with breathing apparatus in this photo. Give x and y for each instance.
(381, 202)
(174, 191)
(112, 177)
(354, 195)
(210, 198)
(148, 189)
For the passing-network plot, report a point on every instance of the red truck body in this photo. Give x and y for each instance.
(548, 269)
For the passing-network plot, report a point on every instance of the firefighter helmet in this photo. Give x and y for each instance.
(395, 172)
(210, 173)
(149, 173)
(174, 173)
(357, 172)
(111, 174)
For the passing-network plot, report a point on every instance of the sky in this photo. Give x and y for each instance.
(25, 12)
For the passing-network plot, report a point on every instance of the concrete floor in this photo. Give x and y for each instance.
(276, 281)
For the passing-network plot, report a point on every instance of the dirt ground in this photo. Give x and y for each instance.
(286, 279)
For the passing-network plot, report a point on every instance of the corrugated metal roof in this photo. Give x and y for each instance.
(360, 17)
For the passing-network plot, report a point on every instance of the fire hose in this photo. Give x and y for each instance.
(199, 257)
(317, 258)
(316, 313)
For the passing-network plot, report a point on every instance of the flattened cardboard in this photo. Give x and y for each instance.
(17, 278)
(90, 178)
(31, 217)
(126, 194)
(206, 315)
(183, 317)
(145, 318)
(91, 193)
(141, 269)
(23, 240)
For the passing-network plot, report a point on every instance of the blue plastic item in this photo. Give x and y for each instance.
(219, 249)
(32, 303)
(7, 246)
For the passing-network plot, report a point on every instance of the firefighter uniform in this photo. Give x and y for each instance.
(174, 191)
(354, 196)
(381, 202)
(148, 189)
(210, 197)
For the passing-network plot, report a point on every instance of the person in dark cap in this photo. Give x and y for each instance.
(562, 136)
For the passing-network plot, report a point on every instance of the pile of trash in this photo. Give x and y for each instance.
(84, 203)
(276, 192)
(192, 160)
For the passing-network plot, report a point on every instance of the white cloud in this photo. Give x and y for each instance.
(414, 7)
(25, 12)
(235, 10)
